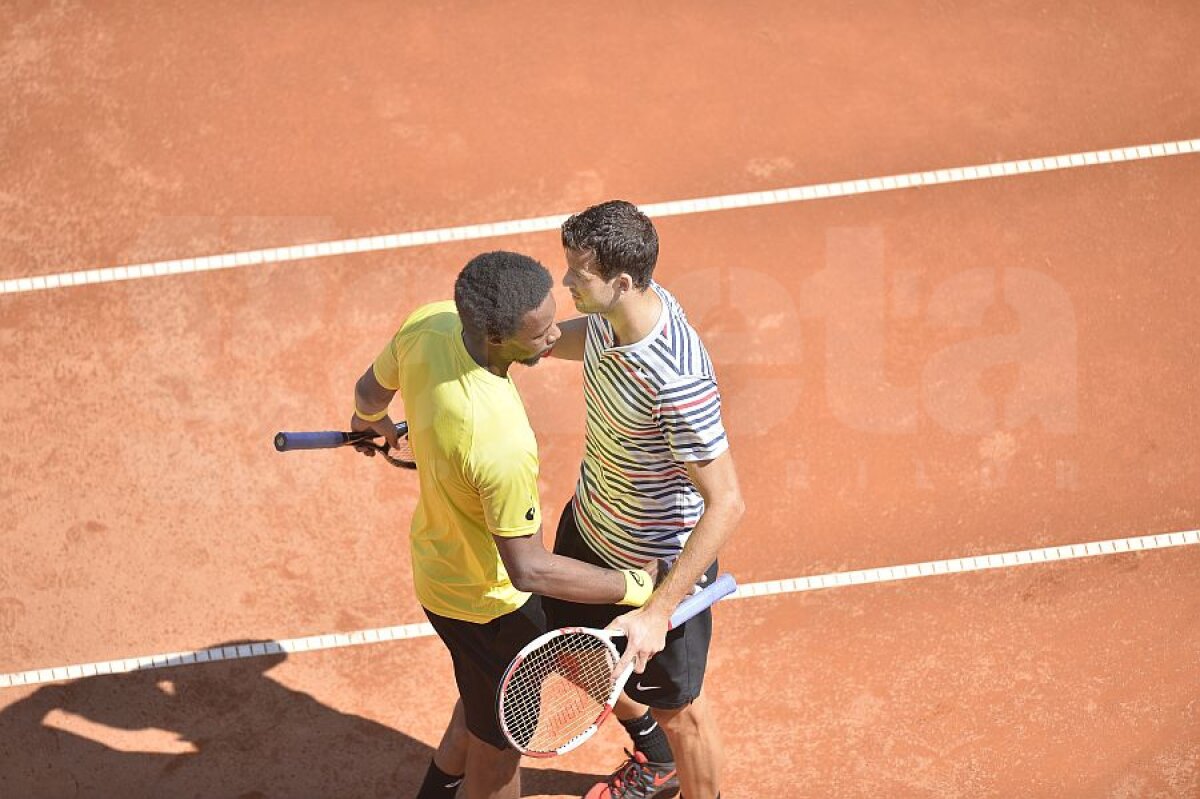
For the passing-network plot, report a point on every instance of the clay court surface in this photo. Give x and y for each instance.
(921, 374)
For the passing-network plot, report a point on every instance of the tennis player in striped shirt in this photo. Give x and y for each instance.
(657, 482)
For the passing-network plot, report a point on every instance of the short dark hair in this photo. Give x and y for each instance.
(495, 290)
(621, 238)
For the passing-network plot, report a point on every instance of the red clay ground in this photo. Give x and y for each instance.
(909, 376)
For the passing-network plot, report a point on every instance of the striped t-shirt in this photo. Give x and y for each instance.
(651, 406)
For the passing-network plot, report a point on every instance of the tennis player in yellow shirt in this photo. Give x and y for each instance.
(479, 562)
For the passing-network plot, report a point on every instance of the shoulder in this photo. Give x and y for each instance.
(681, 356)
(426, 332)
(678, 325)
(436, 317)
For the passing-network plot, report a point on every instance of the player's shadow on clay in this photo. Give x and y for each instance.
(240, 734)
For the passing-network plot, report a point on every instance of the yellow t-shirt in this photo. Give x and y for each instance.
(477, 463)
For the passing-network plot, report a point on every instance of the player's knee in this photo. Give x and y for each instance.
(680, 721)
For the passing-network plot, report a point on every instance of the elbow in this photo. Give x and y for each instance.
(735, 507)
(526, 583)
(736, 514)
(526, 577)
(520, 580)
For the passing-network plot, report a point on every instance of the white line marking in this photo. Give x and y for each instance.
(394, 241)
(885, 574)
(977, 563)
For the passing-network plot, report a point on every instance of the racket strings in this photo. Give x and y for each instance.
(400, 455)
(558, 691)
(403, 450)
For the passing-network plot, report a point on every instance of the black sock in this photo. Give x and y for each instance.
(649, 738)
(438, 784)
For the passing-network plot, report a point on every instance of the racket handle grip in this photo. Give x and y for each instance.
(723, 586)
(320, 440)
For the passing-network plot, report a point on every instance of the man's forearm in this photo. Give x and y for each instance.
(715, 527)
(533, 568)
(574, 581)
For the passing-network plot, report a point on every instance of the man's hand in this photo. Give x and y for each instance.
(645, 636)
(384, 427)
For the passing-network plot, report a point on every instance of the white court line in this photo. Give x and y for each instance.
(885, 574)
(393, 241)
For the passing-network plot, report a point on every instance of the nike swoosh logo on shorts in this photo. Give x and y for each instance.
(641, 687)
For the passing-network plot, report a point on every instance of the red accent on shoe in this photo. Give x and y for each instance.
(637, 778)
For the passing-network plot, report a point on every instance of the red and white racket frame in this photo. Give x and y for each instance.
(692, 605)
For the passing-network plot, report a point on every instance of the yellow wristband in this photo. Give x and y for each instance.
(638, 587)
(370, 417)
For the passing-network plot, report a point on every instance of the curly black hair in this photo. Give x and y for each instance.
(621, 238)
(495, 290)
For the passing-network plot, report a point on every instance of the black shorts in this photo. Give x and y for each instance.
(673, 678)
(481, 653)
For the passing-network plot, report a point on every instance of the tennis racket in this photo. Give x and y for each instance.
(561, 687)
(400, 456)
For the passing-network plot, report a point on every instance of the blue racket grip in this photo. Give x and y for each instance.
(321, 440)
(723, 586)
